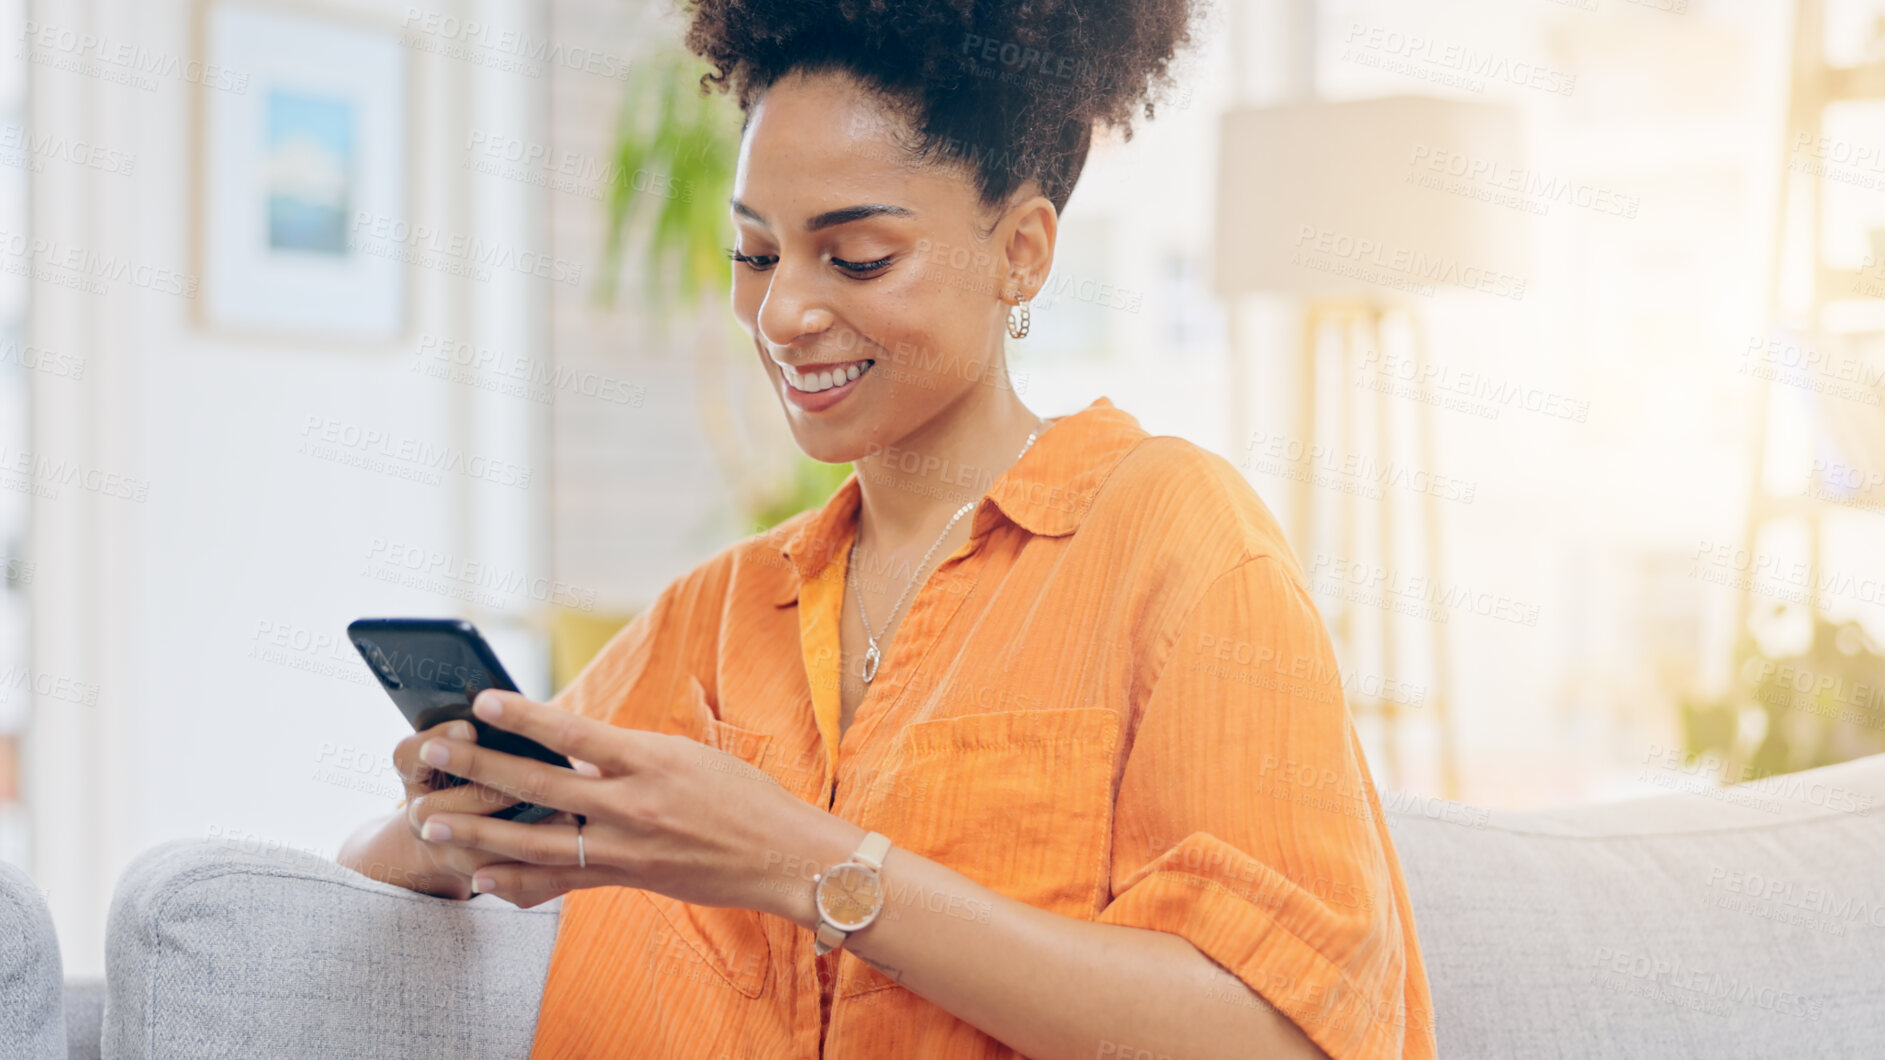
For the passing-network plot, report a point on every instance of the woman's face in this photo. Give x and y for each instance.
(871, 297)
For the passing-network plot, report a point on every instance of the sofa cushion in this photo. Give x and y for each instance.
(32, 1020)
(1738, 922)
(217, 950)
(84, 1016)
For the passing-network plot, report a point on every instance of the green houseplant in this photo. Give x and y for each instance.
(1792, 711)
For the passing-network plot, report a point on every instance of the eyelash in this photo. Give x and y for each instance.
(761, 262)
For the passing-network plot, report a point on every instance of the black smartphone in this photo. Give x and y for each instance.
(433, 668)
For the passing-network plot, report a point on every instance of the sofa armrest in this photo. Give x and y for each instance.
(214, 950)
(32, 1014)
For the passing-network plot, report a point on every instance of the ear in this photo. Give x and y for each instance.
(1027, 242)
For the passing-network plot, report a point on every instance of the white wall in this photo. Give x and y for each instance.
(204, 726)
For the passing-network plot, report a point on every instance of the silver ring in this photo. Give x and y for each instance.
(581, 861)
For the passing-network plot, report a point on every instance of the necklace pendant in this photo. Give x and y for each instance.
(871, 659)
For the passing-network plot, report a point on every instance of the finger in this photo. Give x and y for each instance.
(523, 779)
(525, 886)
(466, 798)
(611, 747)
(536, 844)
(406, 752)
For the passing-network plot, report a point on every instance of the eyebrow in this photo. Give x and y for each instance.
(831, 218)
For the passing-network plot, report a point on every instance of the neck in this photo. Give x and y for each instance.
(910, 488)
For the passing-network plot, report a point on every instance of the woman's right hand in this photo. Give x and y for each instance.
(427, 793)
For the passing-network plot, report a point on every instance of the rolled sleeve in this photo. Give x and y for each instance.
(606, 688)
(1246, 823)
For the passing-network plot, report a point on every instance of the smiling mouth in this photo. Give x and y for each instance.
(825, 377)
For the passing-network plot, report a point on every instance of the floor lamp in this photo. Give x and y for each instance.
(1358, 212)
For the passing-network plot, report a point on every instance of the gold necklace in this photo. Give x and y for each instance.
(873, 656)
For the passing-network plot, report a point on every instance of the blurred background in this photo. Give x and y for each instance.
(1550, 329)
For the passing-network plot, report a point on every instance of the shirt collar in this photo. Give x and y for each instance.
(1047, 492)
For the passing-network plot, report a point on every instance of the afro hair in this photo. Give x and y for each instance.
(1011, 90)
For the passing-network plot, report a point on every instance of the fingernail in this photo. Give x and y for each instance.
(481, 884)
(434, 753)
(488, 708)
(436, 832)
(463, 730)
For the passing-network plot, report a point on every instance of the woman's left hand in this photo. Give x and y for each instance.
(664, 813)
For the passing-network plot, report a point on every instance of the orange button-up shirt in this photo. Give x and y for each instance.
(1116, 702)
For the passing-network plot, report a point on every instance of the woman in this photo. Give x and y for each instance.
(1045, 698)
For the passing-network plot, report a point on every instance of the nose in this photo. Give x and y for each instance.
(792, 308)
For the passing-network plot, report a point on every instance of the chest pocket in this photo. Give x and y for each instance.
(1019, 801)
(729, 944)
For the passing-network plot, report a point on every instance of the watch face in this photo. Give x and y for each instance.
(850, 895)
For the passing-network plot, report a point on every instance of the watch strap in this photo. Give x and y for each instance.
(873, 850)
(829, 938)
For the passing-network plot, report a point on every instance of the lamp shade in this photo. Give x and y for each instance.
(1364, 198)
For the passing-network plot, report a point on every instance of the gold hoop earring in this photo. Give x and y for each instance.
(1019, 330)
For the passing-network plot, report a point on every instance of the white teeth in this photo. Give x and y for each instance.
(824, 380)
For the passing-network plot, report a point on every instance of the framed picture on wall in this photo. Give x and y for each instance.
(295, 169)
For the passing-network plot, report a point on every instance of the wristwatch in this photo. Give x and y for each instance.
(850, 894)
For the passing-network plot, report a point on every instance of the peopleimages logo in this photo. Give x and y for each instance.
(535, 379)
(30, 149)
(1422, 56)
(453, 252)
(1483, 394)
(488, 584)
(1518, 187)
(1357, 473)
(1716, 777)
(373, 449)
(41, 476)
(69, 265)
(38, 359)
(1790, 895)
(1398, 267)
(1675, 981)
(502, 48)
(1023, 58)
(121, 61)
(48, 686)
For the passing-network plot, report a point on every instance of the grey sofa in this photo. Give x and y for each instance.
(1745, 922)
(32, 1019)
